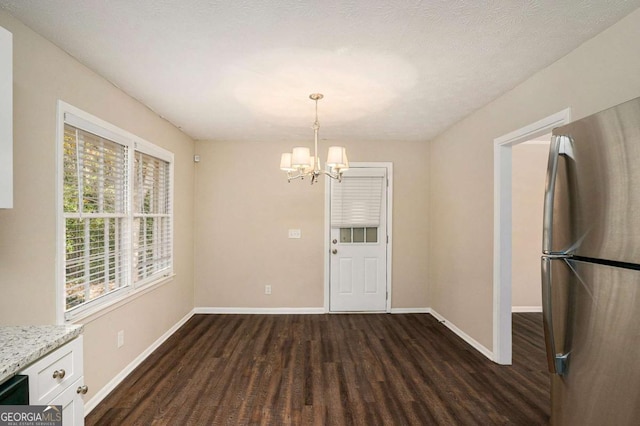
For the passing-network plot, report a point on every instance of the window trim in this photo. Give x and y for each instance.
(81, 119)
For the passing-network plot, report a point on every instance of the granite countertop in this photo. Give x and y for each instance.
(22, 345)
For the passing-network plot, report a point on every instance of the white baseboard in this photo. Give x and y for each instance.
(261, 311)
(524, 309)
(410, 310)
(464, 336)
(302, 311)
(102, 393)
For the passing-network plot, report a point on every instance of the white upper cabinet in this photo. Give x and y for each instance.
(6, 119)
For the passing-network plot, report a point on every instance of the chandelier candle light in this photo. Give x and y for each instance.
(300, 163)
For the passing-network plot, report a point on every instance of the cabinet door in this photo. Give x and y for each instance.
(6, 119)
(72, 404)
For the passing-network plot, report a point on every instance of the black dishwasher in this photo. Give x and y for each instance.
(15, 391)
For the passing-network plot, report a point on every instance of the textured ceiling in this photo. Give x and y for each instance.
(389, 70)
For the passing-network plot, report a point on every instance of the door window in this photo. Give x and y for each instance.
(359, 235)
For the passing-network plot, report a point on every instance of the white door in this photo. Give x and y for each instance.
(358, 267)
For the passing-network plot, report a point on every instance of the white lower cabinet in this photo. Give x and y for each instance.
(72, 404)
(58, 379)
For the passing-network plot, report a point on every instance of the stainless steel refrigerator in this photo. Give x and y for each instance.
(591, 269)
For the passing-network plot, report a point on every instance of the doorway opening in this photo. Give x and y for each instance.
(529, 164)
(357, 269)
(502, 241)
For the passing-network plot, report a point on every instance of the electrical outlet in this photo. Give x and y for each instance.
(267, 289)
(120, 338)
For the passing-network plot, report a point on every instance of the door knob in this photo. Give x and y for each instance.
(82, 389)
(334, 251)
(334, 241)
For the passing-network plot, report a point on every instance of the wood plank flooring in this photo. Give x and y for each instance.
(331, 370)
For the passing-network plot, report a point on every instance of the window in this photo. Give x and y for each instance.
(116, 212)
(359, 235)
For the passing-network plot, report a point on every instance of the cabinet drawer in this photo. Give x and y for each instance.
(54, 372)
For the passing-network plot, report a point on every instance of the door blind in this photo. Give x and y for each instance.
(357, 201)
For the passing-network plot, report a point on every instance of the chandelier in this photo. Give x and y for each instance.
(300, 163)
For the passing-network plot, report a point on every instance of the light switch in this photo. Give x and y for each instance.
(295, 233)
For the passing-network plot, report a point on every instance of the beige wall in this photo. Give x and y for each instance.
(243, 214)
(529, 165)
(42, 75)
(601, 73)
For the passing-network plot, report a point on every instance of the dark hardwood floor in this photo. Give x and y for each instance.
(331, 369)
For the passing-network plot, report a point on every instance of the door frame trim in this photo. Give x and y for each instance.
(502, 223)
(327, 229)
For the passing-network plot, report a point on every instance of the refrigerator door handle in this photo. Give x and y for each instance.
(556, 362)
(549, 193)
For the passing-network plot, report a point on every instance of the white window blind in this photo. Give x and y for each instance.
(94, 197)
(357, 201)
(152, 217)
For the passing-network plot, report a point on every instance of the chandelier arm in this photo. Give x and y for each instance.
(337, 175)
(291, 177)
